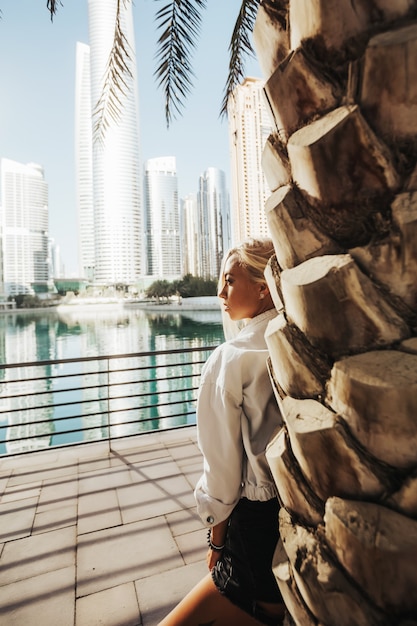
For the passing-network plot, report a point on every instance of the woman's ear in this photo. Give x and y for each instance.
(263, 290)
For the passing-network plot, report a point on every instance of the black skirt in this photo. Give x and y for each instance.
(244, 571)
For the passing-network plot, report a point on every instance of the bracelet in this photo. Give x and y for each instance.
(211, 545)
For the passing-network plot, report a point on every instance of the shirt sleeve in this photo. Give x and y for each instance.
(219, 414)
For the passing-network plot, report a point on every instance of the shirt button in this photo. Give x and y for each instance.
(210, 519)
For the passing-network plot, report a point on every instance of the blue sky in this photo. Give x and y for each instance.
(37, 72)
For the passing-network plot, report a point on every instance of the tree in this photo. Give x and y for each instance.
(192, 286)
(160, 289)
(343, 349)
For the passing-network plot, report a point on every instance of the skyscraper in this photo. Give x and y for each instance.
(84, 162)
(162, 218)
(116, 176)
(24, 227)
(190, 239)
(249, 128)
(214, 221)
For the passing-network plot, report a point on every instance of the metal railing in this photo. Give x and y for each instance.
(66, 402)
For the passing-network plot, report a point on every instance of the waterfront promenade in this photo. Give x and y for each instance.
(95, 536)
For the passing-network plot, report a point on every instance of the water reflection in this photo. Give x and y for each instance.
(80, 391)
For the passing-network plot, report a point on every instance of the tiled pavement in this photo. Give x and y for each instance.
(93, 537)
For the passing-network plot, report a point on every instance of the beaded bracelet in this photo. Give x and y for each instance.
(211, 545)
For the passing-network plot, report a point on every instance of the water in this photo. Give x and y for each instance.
(33, 336)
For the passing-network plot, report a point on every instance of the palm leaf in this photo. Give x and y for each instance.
(239, 48)
(110, 104)
(180, 22)
(52, 6)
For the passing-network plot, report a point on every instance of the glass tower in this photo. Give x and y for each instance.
(118, 248)
(214, 221)
(83, 163)
(162, 218)
(24, 227)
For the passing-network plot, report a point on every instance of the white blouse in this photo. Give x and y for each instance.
(237, 415)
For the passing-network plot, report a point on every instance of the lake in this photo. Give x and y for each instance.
(76, 332)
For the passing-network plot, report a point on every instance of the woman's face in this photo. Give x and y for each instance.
(242, 296)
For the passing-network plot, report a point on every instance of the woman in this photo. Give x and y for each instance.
(237, 415)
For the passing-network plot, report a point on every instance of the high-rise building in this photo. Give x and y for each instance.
(56, 268)
(116, 172)
(84, 162)
(162, 218)
(24, 227)
(249, 128)
(214, 221)
(190, 239)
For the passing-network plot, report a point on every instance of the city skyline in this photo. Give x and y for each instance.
(37, 112)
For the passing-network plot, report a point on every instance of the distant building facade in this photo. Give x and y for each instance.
(162, 218)
(24, 228)
(84, 163)
(190, 238)
(213, 222)
(249, 128)
(116, 184)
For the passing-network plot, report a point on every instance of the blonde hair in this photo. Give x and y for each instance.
(252, 254)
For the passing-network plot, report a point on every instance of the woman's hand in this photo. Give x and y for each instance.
(212, 557)
(217, 537)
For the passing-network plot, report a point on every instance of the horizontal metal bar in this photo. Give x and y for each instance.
(102, 393)
(110, 357)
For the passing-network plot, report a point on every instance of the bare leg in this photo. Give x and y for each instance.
(274, 611)
(206, 606)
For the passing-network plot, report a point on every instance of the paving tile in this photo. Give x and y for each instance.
(117, 555)
(155, 498)
(17, 518)
(97, 511)
(47, 599)
(147, 440)
(192, 462)
(112, 607)
(4, 479)
(193, 476)
(37, 554)
(137, 531)
(15, 492)
(54, 519)
(154, 469)
(94, 465)
(160, 593)
(184, 521)
(135, 455)
(41, 473)
(193, 546)
(101, 480)
(184, 450)
(57, 493)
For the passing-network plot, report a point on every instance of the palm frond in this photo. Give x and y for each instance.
(110, 104)
(240, 47)
(180, 22)
(52, 6)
